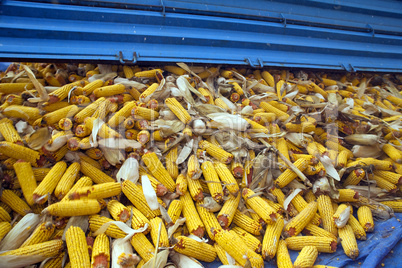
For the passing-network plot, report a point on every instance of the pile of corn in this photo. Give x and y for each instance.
(123, 162)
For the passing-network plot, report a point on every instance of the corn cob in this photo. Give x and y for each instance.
(9, 88)
(88, 111)
(282, 116)
(385, 184)
(358, 230)
(22, 112)
(96, 221)
(235, 247)
(227, 178)
(392, 177)
(20, 152)
(323, 244)
(282, 257)
(138, 220)
(82, 182)
(286, 177)
(67, 180)
(228, 210)
(297, 224)
(104, 131)
(54, 117)
(118, 211)
(163, 240)
(73, 208)
(135, 195)
(143, 247)
(178, 110)
(326, 212)
(9, 132)
(193, 248)
(26, 179)
(208, 218)
(107, 91)
(395, 205)
(181, 184)
(94, 173)
(247, 223)
(77, 247)
(214, 184)
(9, 198)
(4, 216)
(216, 152)
(300, 204)
(171, 165)
(354, 177)
(266, 212)
(193, 221)
(5, 227)
(347, 195)
(62, 92)
(101, 252)
(366, 218)
(49, 183)
(175, 209)
(42, 233)
(314, 230)
(157, 169)
(251, 241)
(307, 257)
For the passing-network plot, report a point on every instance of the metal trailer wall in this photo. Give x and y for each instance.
(351, 35)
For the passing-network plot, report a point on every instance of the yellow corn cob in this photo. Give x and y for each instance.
(49, 183)
(343, 158)
(214, 184)
(262, 118)
(395, 205)
(397, 101)
(282, 116)
(148, 73)
(104, 131)
(195, 189)
(148, 92)
(313, 87)
(297, 224)
(175, 209)
(323, 244)
(251, 241)
(209, 99)
(88, 111)
(208, 218)
(20, 152)
(354, 177)
(4, 216)
(145, 113)
(178, 110)
(307, 257)
(175, 70)
(314, 230)
(192, 248)
(118, 211)
(94, 173)
(55, 262)
(348, 242)
(193, 165)
(347, 195)
(171, 165)
(265, 211)
(326, 212)
(157, 169)
(163, 240)
(392, 177)
(309, 196)
(216, 152)
(9, 163)
(385, 184)
(77, 247)
(54, 117)
(82, 131)
(256, 128)
(9, 88)
(220, 103)
(101, 252)
(67, 180)
(14, 202)
(143, 136)
(94, 153)
(271, 239)
(378, 164)
(40, 173)
(282, 256)
(74, 208)
(42, 233)
(222, 254)
(81, 183)
(358, 230)
(62, 92)
(159, 188)
(207, 72)
(107, 91)
(89, 88)
(247, 223)
(393, 153)
(9, 132)
(286, 177)
(22, 112)
(135, 195)
(228, 210)
(366, 218)
(96, 221)
(181, 184)
(300, 204)
(122, 114)
(235, 247)
(128, 71)
(139, 220)
(131, 134)
(26, 179)
(5, 227)
(269, 79)
(193, 221)
(143, 246)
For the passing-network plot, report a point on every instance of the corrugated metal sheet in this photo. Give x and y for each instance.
(351, 35)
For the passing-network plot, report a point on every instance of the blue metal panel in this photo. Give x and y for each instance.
(311, 34)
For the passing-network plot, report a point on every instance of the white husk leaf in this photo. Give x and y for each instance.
(114, 143)
(119, 247)
(72, 156)
(247, 110)
(58, 142)
(38, 138)
(122, 226)
(165, 216)
(161, 260)
(199, 126)
(172, 229)
(322, 185)
(167, 114)
(290, 198)
(329, 167)
(210, 204)
(182, 261)
(43, 96)
(113, 156)
(183, 86)
(127, 83)
(343, 218)
(229, 121)
(196, 238)
(20, 232)
(362, 139)
(149, 193)
(97, 124)
(17, 261)
(230, 259)
(79, 221)
(367, 151)
(21, 126)
(185, 152)
(129, 170)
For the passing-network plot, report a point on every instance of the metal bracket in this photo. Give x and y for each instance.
(283, 19)
(252, 65)
(370, 29)
(348, 67)
(124, 61)
(163, 8)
